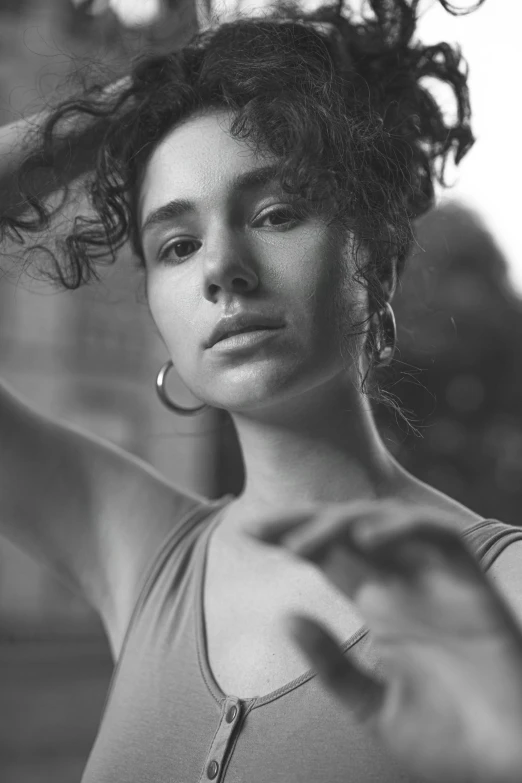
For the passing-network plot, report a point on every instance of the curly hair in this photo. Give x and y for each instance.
(341, 102)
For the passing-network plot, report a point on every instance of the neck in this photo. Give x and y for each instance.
(322, 447)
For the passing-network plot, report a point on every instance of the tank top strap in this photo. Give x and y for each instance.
(488, 538)
(188, 522)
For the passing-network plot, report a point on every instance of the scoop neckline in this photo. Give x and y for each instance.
(201, 637)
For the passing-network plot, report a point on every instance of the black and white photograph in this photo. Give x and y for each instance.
(260, 391)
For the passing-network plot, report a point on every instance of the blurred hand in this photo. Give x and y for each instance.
(450, 706)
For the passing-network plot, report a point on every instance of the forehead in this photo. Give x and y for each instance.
(196, 160)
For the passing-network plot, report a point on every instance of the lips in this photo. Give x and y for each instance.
(248, 329)
(242, 322)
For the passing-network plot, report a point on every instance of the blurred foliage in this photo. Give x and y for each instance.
(457, 368)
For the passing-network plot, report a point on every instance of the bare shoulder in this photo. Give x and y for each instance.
(505, 573)
(506, 570)
(419, 492)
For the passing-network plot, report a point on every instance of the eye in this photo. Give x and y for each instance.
(178, 244)
(280, 216)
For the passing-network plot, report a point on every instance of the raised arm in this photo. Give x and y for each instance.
(93, 513)
(75, 152)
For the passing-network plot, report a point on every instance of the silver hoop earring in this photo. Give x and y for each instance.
(385, 335)
(165, 399)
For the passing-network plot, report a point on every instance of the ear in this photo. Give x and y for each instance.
(390, 279)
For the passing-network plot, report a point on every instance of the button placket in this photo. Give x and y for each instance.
(230, 715)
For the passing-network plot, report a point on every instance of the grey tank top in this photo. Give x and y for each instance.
(166, 719)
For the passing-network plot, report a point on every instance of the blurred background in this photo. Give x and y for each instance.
(91, 356)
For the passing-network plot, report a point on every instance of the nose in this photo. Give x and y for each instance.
(229, 263)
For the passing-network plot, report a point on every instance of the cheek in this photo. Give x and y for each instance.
(171, 314)
(315, 263)
(335, 290)
(157, 304)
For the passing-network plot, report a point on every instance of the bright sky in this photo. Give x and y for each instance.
(489, 177)
(136, 12)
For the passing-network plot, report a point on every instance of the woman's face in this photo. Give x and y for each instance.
(236, 245)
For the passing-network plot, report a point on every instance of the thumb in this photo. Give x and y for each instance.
(358, 691)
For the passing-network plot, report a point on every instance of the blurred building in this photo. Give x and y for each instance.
(90, 357)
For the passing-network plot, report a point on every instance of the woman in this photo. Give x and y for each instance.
(267, 176)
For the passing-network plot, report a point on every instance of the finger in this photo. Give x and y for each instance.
(317, 540)
(274, 526)
(339, 523)
(374, 518)
(320, 539)
(356, 689)
(408, 539)
(314, 537)
(398, 520)
(424, 551)
(326, 541)
(396, 544)
(271, 527)
(347, 570)
(414, 541)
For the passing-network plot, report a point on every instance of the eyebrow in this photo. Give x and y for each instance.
(177, 207)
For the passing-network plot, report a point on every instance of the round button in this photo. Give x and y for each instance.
(231, 714)
(212, 770)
